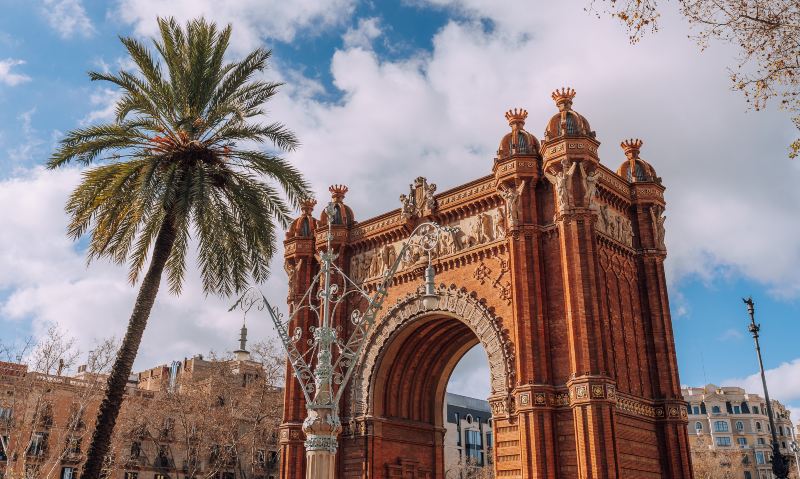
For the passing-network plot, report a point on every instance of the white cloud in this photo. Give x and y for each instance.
(9, 77)
(49, 282)
(783, 383)
(104, 103)
(731, 335)
(471, 375)
(440, 114)
(29, 146)
(68, 18)
(364, 34)
(253, 20)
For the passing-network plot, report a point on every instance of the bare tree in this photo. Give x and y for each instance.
(220, 416)
(31, 439)
(470, 469)
(716, 463)
(766, 33)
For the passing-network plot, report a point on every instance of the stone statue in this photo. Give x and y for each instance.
(589, 185)
(482, 230)
(500, 224)
(605, 219)
(366, 263)
(511, 196)
(658, 217)
(407, 209)
(355, 268)
(626, 232)
(389, 256)
(291, 272)
(561, 180)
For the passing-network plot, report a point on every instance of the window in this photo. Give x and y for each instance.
(261, 456)
(458, 430)
(131, 475)
(159, 476)
(698, 426)
(737, 409)
(720, 426)
(742, 441)
(38, 444)
(474, 446)
(761, 441)
(136, 449)
(488, 440)
(739, 426)
(3, 442)
(696, 410)
(760, 457)
(747, 475)
(5, 413)
(469, 418)
(67, 473)
(723, 441)
(715, 410)
(755, 409)
(783, 444)
(758, 426)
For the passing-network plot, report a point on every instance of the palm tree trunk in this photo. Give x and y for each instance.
(117, 381)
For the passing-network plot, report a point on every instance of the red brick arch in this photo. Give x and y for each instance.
(459, 320)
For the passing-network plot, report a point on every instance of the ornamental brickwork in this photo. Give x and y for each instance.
(557, 269)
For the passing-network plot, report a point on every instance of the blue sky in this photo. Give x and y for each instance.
(388, 91)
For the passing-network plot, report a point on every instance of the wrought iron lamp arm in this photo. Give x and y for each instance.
(350, 352)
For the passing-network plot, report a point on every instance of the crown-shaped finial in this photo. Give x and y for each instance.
(631, 148)
(516, 117)
(307, 205)
(338, 192)
(563, 98)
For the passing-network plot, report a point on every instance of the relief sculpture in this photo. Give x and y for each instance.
(615, 225)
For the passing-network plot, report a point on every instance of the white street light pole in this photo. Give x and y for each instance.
(323, 381)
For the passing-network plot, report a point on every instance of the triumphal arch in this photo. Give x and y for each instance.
(557, 269)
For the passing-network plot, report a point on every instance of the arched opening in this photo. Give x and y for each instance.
(399, 395)
(469, 438)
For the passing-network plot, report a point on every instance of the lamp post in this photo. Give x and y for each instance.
(779, 465)
(324, 369)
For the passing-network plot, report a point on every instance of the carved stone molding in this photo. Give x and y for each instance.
(455, 303)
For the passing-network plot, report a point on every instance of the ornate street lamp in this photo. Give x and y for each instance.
(780, 467)
(323, 378)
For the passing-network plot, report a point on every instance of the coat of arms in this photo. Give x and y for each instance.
(420, 200)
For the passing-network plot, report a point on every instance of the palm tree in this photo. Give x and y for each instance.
(180, 163)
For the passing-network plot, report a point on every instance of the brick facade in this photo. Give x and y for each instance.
(558, 271)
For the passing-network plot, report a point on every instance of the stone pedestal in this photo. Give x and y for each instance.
(322, 426)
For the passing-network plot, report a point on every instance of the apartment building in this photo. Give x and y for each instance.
(468, 440)
(729, 417)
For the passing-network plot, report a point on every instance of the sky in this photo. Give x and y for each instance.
(382, 92)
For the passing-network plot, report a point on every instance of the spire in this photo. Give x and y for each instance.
(242, 354)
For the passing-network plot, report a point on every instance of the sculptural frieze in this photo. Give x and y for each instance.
(615, 225)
